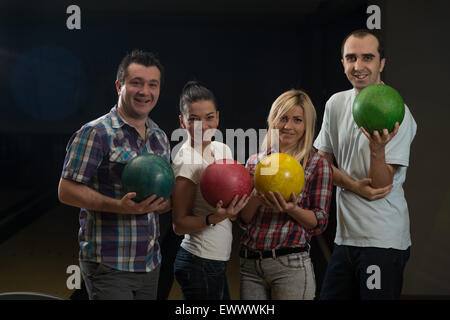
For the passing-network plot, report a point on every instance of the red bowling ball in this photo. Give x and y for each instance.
(222, 180)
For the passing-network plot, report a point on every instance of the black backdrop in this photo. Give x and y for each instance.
(54, 79)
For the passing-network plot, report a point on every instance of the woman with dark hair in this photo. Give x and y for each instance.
(200, 265)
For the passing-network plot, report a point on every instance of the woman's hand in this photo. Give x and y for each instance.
(233, 208)
(280, 204)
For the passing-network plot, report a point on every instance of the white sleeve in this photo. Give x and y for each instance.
(228, 153)
(222, 151)
(323, 140)
(398, 149)
(187, 166)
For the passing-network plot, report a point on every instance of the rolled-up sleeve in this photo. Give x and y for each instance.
(320, 196)
(250, 165)
(85, 152)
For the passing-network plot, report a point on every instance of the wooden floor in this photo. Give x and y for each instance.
(36, 258)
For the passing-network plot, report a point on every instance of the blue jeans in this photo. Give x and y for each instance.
(199, 278)
(365, 273)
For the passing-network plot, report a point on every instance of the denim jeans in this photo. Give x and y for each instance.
(199, 278)
(105, 283)
(365, 273)
(287, 277)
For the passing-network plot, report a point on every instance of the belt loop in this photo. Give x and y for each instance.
(274, 256)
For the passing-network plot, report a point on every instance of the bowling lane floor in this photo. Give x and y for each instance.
(36, 258)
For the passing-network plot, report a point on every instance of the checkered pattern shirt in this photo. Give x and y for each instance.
(270, 229)
(96, 156)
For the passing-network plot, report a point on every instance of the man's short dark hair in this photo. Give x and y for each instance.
(141, 57)
(361, 33)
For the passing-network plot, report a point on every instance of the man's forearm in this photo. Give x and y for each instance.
(363, 187)
(81, 196)
(380, 173)
(342, 180)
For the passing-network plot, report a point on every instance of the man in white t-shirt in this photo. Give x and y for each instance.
(372, 242)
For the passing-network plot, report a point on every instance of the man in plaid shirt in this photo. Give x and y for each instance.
(119, 250)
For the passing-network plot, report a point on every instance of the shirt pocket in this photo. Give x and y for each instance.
(118, 158)
(121, 155)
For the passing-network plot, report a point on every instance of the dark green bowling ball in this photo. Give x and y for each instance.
(148, 174)
(378, 107)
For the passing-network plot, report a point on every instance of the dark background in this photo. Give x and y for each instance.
(53, 80)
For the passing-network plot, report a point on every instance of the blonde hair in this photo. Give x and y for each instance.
(282, 105)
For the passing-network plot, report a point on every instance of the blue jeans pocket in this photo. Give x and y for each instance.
(182, 276)
(200, 278)
(215, 268)
(91, 269)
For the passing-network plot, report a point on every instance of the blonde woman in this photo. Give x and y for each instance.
(275, 261)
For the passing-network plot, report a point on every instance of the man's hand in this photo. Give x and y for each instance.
(365, 189)
(377, 142)
(165, 206)
(128, 206)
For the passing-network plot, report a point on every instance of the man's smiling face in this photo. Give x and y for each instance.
(361, 61)
(140, 91)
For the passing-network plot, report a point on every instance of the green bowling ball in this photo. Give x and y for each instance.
(148, 174)
(378, 107)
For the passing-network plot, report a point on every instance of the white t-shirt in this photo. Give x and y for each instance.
(382, 223)
(213, 242)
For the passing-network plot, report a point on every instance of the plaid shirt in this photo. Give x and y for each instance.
(96, 156)
(270, 229)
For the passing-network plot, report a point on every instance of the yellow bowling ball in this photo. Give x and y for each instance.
(279, 172)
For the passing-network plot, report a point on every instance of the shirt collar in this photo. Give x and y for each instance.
(117, 121)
